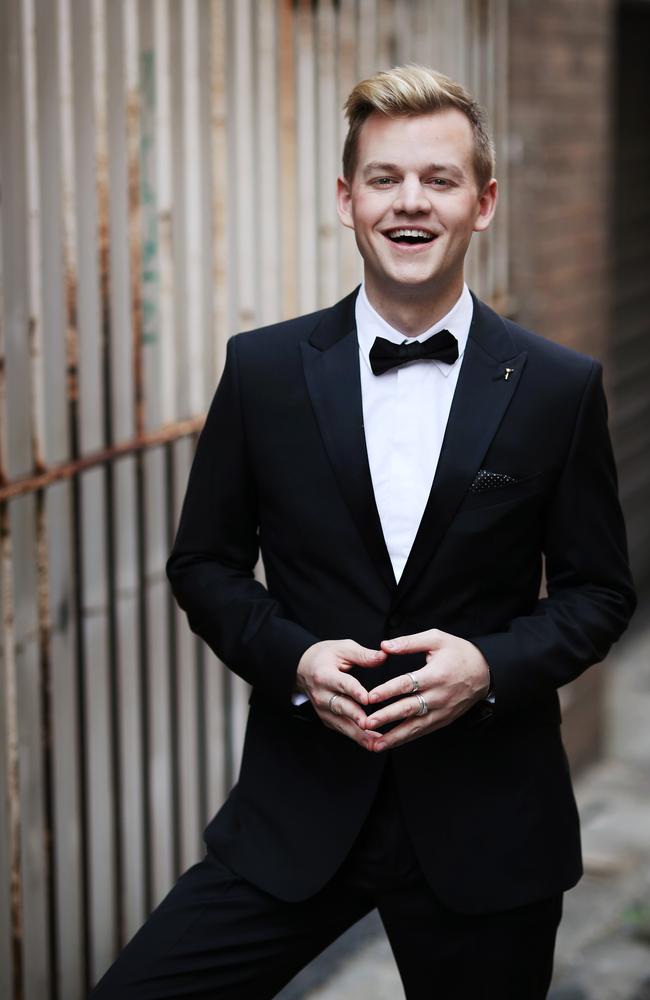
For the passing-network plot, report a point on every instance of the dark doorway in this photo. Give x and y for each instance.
(630, 327)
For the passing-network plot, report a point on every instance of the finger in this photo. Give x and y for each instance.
(360, 656)
(419, 642)
(405, 708)
(351, 688)
(346, 708)
(348, 728)
(331, 678)
(413, 729)
(396, 687)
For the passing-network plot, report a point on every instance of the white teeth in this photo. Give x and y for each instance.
(394, 233)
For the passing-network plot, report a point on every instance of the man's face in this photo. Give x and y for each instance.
(414, 203)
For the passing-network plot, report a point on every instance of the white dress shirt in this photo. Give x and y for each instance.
(405, 413)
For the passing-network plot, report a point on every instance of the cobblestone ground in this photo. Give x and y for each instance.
(603, 949)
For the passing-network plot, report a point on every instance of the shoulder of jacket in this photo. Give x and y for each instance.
(274, 336)
(550, 352)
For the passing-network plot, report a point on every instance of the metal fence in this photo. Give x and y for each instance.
(167, 177)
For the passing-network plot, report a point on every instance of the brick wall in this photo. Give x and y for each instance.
(560, 73)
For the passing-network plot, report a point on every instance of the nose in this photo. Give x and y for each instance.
(411, 197)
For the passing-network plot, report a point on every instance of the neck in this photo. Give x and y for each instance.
(409, 313)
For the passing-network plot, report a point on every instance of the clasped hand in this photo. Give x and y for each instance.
(454, 677)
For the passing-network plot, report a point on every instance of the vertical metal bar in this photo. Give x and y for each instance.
(288, 159)
(10, 699)
(219, 181)
(132, 96)
(243, 82)
(10, 688)
(212, 684)
(487, 91)
(162, 675)
(167, 396)
(37, 390)
(99, 77)
(34, 249)
(327, 163)
(200, 656)
(193, 207)
(164, 208)
(47, 736)
(403, 29)
(423, 23)
(367, 56)
(500, 129)
(349, 260)
(385, 35)
(178, 777)
(69, 249)
(268, 233)
(308, 261)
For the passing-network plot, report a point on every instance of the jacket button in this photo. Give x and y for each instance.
(392, 626)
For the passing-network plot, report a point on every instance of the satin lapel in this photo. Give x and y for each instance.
(481, 399)
(331, 364)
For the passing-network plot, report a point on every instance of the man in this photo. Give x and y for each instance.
(406, 461)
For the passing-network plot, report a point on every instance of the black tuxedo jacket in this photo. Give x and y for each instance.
(281, 468)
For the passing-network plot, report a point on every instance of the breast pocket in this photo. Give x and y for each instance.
(509, 493)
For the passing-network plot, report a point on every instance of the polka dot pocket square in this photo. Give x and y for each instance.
(486, 481)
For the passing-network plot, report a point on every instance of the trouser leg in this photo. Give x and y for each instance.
(443, 955)
(216, 935)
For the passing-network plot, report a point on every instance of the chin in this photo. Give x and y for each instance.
(412, 283)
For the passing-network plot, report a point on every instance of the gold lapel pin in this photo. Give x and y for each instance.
(508, 372)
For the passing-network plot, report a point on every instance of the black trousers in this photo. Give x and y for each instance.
(217, 936)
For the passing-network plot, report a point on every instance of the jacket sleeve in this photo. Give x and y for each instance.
(211, 567)
(590, 592)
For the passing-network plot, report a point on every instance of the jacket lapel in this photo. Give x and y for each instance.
(331, 365)
(481, 399)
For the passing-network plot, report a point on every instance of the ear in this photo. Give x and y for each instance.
(344, 202)
(487, 204)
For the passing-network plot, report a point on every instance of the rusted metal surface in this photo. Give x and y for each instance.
(9, 692)
(12, 780)
(100, 118)
(192, 194)
(68, 470)
(70, 254)
(135, 221)
(34, 245)
(37, 407)
(47, 734)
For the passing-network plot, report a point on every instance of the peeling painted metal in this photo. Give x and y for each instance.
(196, 202)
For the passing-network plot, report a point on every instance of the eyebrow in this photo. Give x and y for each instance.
(432, 168)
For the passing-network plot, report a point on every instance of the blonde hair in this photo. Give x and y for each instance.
(415, 90)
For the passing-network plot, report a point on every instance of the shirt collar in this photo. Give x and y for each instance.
(370, 325)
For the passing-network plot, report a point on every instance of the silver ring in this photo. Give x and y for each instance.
(331, 704)
(424, 708)
(414, 682)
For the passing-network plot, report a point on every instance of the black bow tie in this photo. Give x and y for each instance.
(385, 355)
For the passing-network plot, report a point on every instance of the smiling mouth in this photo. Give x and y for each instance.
(410, 237)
